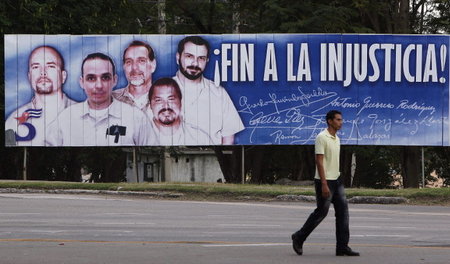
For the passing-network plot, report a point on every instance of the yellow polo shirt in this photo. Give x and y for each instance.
(330, 147)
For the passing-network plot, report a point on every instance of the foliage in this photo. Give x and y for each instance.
(375, 166)
(434, 19)
(437, 159)
(71, 16)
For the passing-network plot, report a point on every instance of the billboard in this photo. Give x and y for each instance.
(242, 89)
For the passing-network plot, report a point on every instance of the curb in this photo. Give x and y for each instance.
(80, 191)
(377, 200)
(296, 198)
(354, 200)
(285, 197)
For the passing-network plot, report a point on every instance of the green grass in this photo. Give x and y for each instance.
(427, 196)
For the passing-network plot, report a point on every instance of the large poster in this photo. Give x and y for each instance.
(250, 89)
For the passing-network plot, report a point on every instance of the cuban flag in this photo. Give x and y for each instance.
(29, 113)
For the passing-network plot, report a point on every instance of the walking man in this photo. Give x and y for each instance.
(329, 189)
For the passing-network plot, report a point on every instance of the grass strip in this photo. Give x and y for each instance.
(266, 191)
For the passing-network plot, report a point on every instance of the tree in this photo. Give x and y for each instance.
(375, 166)
(438, 160)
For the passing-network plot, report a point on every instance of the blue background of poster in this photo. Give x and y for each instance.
(276, 112)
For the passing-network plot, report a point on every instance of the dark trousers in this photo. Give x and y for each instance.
(337, 197)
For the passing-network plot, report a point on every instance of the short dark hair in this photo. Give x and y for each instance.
(165, 82)
(138, 43)
(98, 55)
(52, 48)
(197, 40)
(332, 114)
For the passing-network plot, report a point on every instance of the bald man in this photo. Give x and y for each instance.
(46, 75)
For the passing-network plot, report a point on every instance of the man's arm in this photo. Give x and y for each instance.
(228, 140)
(323, 180)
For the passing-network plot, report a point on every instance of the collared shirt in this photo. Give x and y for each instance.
(39, 121)
(185, 135)
(209, 107)
(120, 125)
(330, 147)
(124, 95)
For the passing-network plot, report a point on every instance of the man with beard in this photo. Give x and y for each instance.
(165, 102)
(204, 104)
(46, 75)
(139, 63)
(100, 120)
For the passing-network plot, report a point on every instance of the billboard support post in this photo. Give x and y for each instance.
(24, 163)
(167, 165)
(243, 165)
(135, 165)
(423, 168)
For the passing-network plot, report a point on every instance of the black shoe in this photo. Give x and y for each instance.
(297, 245)
(346, 252)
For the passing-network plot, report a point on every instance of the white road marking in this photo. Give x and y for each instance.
(250, 245)
(247, 225)
(20, 213)
(397, 211)
(63, 197)
(228, 232)
(141, 214)
(312, 206)
(124, 223)
(47, 231)
(380, 236)
(234, 216)
(385, 227)
(371, 218)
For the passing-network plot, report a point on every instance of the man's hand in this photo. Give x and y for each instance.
(325, 190)
(323, 180)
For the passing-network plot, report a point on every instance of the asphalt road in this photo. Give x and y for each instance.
(51, 228)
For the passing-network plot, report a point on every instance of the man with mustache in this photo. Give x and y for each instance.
(139, 63)
(100, 120)
(46, 75)
(165, 102)
(204, 104)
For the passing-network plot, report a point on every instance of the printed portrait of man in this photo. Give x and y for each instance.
(165, 103)
(100, 120)
(204, 104)
(46, 75)
(139, 64)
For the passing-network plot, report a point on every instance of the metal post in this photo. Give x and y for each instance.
(167, 163)
(353, 169)
(243, 165)
(423, 169)
(24, 171)
(135, 165)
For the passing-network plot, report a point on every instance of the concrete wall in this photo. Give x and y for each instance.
(143, 160)
(195, 168)
(184, 168)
